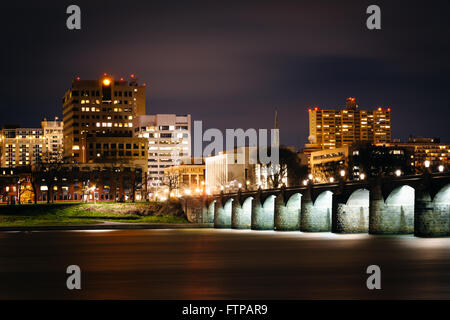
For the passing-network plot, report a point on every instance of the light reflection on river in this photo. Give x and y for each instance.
(221, 264)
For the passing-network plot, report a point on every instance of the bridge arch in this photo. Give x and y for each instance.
(395, 215)
(353, 216)
(210, 212)
(287, 216)
(316, 216)
(222, 213)
(433, 215)
(263, 211)
(242, 214)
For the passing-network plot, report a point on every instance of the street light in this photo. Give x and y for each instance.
(310, 176)
(398, 172)
(240, 185)
(441, 168)
(305, 182)
(342, 173)
(187, 192)
(427, 163)
(331, 179)
(362, 176)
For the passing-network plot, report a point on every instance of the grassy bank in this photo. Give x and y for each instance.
(63, 214)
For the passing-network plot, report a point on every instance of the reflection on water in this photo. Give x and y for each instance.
(221, 264)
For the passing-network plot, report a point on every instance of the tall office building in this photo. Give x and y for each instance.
(329, 129)
(97, 111)
(169, 142)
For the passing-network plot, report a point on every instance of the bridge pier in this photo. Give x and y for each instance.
(393, 216)
(262, 218)
(432, 218)
(222, 214)
(241, 214)
(351, 215)
(287, 216)
(316, 217)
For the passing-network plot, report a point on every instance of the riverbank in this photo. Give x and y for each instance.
(63, 215)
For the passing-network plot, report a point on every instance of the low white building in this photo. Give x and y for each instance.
(231, 170)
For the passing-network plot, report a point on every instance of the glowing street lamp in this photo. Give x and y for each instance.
(240, 185)
(427, 163)
(305, 182)
(310, 176)
(187, 192)
(331, 179)
(441, 168)
(362, 176)
(342, 173)
(398, 172)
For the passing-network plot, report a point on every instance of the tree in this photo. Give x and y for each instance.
(381, 160)
(172, 181)
(289, 168)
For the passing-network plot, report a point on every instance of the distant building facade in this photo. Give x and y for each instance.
(100, 108)
(329, 129)
(431, 149)
(169, 142)
(186, 179)
(225, 172)
(30, 146)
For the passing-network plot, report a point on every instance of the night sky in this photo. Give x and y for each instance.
(231, 63)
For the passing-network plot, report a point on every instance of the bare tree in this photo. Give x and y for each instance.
(172, 181)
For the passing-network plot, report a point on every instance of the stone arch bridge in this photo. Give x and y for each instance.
(418, 204)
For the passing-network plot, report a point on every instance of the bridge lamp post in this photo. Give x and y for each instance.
(362, 176)
(331, 179)
(398, 172)
(427, 163)
(240, 185)
(342, 173)
(310, 177)
(305, 182)
(441, 168)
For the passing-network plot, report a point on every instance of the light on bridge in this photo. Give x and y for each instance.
(342, 173)
(441, 168)
(331, 179)
(362, 176)
(305, 182)
(427, 163)
(398, 172)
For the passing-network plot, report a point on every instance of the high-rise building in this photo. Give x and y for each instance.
(53, 135)
(94, 110)
(169, 142)
(30, 146)
(329, 128)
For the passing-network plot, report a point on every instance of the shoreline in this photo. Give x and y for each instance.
(109, 226)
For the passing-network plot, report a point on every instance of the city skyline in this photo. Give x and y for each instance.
(301, 56)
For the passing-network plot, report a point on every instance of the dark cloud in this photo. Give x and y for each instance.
(231, 63)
